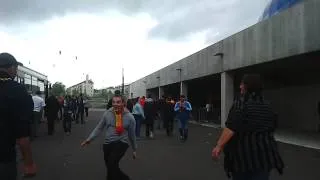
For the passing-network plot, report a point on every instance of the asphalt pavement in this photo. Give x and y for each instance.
(60, 157)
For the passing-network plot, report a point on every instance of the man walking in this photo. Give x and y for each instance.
(120, 130)
(52, 109)
(150, 114)
(183, 109)
(80, 109)
(39, 105)
(16, 108)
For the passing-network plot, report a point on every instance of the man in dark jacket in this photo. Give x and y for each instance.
(52, 108)
(80, 109)
(16, 108)
(168, 115)
(150, 113)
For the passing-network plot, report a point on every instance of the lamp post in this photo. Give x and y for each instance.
(145, 86)
(159, 92)
(180, 80)
(122, 88)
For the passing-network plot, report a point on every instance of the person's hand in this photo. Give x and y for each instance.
(216, 152)
(85, 143)
(29, 170)
(134, 155)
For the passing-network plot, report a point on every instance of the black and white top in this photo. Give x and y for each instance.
(253, 146)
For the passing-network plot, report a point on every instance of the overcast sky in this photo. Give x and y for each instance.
(140, 35)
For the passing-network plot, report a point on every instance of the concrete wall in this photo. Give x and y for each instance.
(297, 106)
(138, 88)
(292, 32)
(196, 65)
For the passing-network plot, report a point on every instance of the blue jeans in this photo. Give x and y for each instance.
(260, 175)
(183, 120)
(138, 119)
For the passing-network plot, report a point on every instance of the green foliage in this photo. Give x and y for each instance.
(58, 89)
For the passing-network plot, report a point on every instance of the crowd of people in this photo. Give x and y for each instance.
(248, 143)
(67, 109)
(165, 111)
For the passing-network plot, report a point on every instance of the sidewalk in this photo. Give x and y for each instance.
(304, 139)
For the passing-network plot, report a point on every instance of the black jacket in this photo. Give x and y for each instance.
(16, 109)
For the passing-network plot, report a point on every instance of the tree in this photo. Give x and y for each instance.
(58, 89)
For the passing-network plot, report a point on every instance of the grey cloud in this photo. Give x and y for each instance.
(176, 18)
(216, 17)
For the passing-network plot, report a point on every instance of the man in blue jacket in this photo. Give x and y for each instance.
(183, 109)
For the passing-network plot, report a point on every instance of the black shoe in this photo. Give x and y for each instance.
(185, 134)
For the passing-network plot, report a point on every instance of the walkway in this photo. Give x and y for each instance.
(60, 157)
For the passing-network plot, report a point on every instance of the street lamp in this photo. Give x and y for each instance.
(179, 69)
(219, 54)
(145, 86)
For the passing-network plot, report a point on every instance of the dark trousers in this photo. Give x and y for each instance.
(60, 112)
(51, 119)
(75, 116)
(251, 176)
(80, 114)
(87, 111)
(35, 124)
(67, 119)
(169, 125)
(113, 153)
(149, 128)
(138, 119)
(8, 171)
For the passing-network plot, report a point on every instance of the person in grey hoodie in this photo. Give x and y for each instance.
(120, 130)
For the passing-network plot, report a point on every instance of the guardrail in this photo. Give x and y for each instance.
(201, 115)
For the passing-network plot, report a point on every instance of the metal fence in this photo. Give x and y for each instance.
(203, 116)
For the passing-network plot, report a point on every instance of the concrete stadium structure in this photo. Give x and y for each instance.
(284, 49)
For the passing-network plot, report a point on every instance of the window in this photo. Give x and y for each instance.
(27, 82)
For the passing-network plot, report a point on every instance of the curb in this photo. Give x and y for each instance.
(280, 138)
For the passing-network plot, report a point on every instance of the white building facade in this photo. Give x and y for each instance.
(85, 87)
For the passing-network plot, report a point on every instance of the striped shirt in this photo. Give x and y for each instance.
(253, 147)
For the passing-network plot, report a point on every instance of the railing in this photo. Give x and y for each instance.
(201, 115)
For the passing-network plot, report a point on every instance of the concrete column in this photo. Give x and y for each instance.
(161, 92)
(184, 89)
(227, 93)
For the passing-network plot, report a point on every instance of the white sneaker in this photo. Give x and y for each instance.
(151, 134)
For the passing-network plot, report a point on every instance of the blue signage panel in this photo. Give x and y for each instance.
(276, 6)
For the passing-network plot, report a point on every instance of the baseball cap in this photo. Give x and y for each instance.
(7, 60)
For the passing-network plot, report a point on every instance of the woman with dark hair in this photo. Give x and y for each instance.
(247, 140)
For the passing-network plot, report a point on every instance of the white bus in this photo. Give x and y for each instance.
(33, 80)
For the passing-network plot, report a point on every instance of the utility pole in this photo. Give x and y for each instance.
(122, 89)
(180, 79)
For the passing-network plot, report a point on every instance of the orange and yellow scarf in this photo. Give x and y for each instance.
(119, 123)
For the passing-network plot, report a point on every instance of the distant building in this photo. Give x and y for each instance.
(84, 87)
(112, 89)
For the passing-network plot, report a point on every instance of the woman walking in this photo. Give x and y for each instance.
(248, 142)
